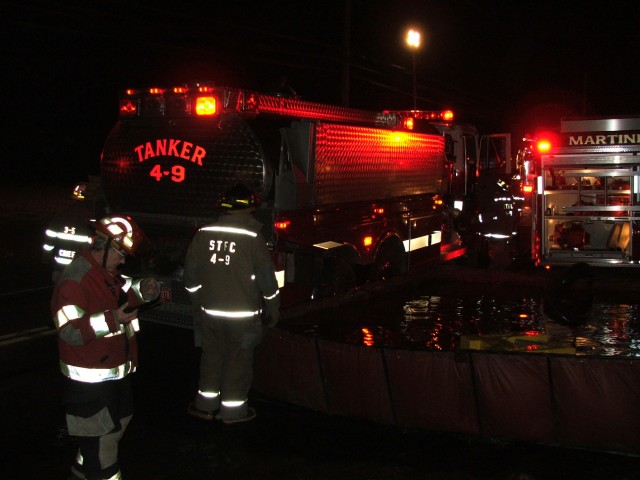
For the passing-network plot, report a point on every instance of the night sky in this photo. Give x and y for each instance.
(511, 66)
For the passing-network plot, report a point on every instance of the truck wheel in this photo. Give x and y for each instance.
(338, 277)
(478, 252)
(390, 262)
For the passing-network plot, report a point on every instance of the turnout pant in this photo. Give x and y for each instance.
(97, 415)
(226, 365)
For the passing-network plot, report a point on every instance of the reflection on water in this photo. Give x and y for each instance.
(437, 320)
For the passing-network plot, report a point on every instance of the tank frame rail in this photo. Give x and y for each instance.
(580, 402)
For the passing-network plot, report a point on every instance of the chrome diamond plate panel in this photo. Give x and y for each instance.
(360, 163)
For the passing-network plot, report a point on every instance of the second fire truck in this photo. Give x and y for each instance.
(586, 205)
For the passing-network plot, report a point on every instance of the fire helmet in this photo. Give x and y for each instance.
(122, 231)
(238, 197)
(80, 191)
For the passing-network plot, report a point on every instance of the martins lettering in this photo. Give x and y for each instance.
(170, 147)
(627, 138)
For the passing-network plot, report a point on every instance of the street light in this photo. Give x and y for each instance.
(413, 41)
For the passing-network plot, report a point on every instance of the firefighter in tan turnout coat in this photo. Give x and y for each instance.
(230, 276)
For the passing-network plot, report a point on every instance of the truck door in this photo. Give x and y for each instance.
(462, 155)
(495, 153)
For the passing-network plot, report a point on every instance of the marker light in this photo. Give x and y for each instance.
(178, 103)
(152, 103)
(282, 224)
(367, 241)
(433, 115)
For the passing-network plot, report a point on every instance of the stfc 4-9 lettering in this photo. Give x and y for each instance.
(221, 251)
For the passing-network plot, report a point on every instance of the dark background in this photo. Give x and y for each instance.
(504, 66)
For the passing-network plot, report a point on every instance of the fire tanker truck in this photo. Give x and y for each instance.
(586, 205)
(348, 196)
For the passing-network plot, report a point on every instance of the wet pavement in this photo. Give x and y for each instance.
(283, 442)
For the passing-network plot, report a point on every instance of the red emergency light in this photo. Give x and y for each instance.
(129, 103)
(128, 107)
(544, 141)
(434, 115)
(543, 146)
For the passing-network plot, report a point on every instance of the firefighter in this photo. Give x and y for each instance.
(231, 279)
(68, 232)
(97, 343)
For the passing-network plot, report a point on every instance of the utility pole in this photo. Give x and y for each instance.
(346, 54)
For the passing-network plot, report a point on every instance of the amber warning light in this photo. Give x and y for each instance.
(206, 105)
(447, 116)
(282, 224)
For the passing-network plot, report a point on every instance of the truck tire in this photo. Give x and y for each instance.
(338, 277)
(569, 299)
(390, 261)
(477, 252)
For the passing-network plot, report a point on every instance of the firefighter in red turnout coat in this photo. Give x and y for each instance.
(97, 344)
(231, 279)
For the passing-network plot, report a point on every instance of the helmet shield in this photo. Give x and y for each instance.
(123, 232)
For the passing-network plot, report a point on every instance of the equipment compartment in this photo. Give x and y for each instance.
(588, 211)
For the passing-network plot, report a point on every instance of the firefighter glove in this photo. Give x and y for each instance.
(271, 319)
